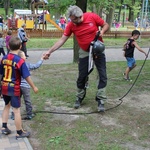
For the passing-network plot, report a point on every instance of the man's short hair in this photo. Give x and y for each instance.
(75, 11)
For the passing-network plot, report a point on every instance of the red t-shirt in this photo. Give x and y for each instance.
(85, 31)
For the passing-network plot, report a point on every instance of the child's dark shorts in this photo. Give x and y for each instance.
(15, 101)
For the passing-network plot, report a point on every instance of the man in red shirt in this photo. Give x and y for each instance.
(85, 26)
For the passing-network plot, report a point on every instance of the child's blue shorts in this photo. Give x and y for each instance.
(130, 62)
(15, 101)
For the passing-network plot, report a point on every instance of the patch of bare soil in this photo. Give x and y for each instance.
(135, 101)
(141, 101)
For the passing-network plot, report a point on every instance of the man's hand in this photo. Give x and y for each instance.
(105, 27)
(46, 55)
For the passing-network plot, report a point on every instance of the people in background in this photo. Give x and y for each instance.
(7, 38)
(1, 22)
(2, 43)
(136, 23)
(23, 38)
(117, 25)
(62, 22)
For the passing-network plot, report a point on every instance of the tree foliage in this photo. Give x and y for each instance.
(101, 7)
(59, 7)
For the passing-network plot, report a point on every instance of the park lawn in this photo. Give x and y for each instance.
(34, 43)
(124, 127)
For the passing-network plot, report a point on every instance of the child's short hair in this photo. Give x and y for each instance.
(136, 32)
(14, 43)
(9, 32)
(21, 54)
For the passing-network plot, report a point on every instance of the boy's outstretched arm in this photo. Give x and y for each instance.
(36, 65)
(28, 79)
(140, 49)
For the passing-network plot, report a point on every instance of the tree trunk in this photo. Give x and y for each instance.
(83, 5)
(109, 17)
(100, 12)
(93, 8)
(29, 4)
(6, 6)
(120, 8)
(131, 12)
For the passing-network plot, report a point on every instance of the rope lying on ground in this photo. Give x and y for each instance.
(94, 112)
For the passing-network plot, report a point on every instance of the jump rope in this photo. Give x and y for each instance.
(94, 112)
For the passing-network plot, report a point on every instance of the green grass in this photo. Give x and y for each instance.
(109, 42)
(115, 130)
(46, 43)
(2, 12)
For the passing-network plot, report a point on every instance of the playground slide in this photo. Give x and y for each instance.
(52, 22)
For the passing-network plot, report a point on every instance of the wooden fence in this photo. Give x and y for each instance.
(58, 34)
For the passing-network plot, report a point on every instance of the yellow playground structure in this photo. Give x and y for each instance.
(48, 19)
(31, 20)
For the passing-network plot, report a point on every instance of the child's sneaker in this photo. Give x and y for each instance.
(124, 74)
(29, 117)
(6, 131)
(128, 79)
(23, 135)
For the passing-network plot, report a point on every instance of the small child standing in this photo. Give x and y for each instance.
(2, 42)
(129, 53)
(117, 25)
(25, 87)
(7, 38)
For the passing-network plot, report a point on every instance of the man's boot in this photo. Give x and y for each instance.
(100, 98)
(101, 107)
(77, 103)
(80, 96)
